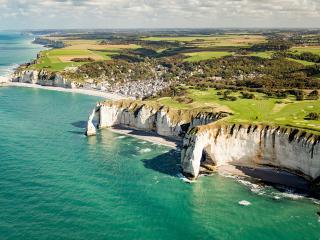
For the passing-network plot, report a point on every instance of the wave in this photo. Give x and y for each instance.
(6, 70)
(145, 150)
(121, 137)
(183, 178)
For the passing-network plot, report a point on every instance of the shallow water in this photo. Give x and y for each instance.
(57, 184)
(15, 48)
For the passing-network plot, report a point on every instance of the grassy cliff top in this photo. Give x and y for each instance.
(260, 110)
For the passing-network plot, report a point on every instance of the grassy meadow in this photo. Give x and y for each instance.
(262, 109)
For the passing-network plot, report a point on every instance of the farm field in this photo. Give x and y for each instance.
(62, 58)
(213, 40)
(312, 49)
(305, 63)
(284, 112)
(199, 56)
(266, 54)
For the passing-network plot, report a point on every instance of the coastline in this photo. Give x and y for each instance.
(261, 172)
(139, 134)
(107, 95)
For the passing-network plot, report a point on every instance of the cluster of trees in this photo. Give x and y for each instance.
(255, 72)
(247, 95)
(272, 45)
(313, 116)
(226, 95)
(306, 56)
(234, 71)
(311, 39)
(89, 59)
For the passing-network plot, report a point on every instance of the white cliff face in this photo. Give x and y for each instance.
(249, 145)
(150, 118)
(42, 78)
(28, 76)
(165, 127)
(255, 145)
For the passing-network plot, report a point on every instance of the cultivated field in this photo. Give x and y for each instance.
(305, 63)
(266, 54)
(213, 40)
(59, 59)
(200, 56)
(312, 49)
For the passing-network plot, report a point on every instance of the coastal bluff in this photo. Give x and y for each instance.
(208, 142)
(251, 145)
(149, 116)
(43, 78)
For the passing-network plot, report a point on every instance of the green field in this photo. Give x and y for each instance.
(305, 63)
(59, 59)
(284, 112)
(312, 49)
(200, 56)
(106, 54)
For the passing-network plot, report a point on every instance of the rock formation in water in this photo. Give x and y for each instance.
(150, 117)
(251, 145)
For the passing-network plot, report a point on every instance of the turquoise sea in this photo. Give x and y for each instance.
(16, 48)
(57, 184)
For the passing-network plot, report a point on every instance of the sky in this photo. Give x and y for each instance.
(58, 14)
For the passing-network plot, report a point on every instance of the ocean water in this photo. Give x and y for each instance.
(16, 48)
(55, 183)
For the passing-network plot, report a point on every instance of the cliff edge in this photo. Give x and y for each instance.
(209, 143)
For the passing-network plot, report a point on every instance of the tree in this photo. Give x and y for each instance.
(314, 95)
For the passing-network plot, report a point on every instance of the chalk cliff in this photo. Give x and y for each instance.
(210, 143)
(251, 145)
(43, 78)
(150, 117)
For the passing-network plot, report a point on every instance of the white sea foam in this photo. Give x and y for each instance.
(292, 195)
(121, 137)
(183, 178)
(256, 188)
(145, 150)
(316, 201)
(244, 203)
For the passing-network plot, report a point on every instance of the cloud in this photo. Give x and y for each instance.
(157, 13)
